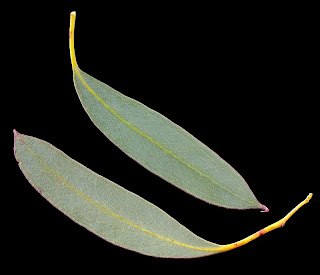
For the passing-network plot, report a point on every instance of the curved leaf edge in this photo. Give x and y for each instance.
(222, 248)
(77, 71)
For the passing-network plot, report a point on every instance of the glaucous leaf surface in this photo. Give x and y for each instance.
(159, 145)
(103, 207)
(110, 211)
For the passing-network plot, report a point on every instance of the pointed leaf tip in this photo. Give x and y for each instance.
(264, 209)
(15, 133)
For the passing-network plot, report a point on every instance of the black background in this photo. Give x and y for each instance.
(239, 78)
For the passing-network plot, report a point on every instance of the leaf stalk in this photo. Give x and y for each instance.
(267, 229)
(71, 39)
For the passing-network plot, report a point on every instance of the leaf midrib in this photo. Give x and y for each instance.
(106, 210)
(153, 141)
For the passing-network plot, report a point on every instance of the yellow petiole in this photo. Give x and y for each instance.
(71, 39)
(267, 229)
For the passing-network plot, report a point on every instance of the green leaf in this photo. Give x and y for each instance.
(159, 145)
(110, 211)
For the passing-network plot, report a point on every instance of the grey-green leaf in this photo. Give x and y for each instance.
(159, 145)
(110, 211)
(103, 207)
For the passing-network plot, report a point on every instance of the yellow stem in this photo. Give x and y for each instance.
(71, 39)
(267, 229)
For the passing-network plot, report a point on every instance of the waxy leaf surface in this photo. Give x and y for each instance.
(103, 207)
(110, 211)
(159, 145)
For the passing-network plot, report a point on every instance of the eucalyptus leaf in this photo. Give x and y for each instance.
(110, 211)
(159, 145)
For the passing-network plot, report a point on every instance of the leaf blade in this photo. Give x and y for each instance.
(103, 207)
(159, 145)
(110, 211)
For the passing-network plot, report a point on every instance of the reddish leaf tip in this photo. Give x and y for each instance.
(15, 133)
(264, 209)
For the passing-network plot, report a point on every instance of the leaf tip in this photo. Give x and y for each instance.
(264, 209)
(15, 133)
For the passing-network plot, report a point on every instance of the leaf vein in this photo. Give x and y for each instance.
(106, 210)
(152, 140)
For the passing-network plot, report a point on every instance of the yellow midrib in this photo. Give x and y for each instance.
(76, 70)
(106, 210)
(221, 248)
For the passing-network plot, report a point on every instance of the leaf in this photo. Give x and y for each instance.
(110, 211)
(159, 145)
